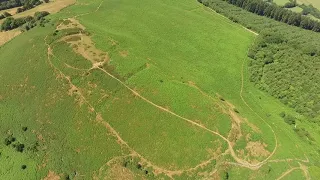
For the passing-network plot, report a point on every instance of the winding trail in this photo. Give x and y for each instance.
(302, 167)
(233, 154)
(108, 126)
(244, 101)
(171, 173)
(100, 120)
(287, 172)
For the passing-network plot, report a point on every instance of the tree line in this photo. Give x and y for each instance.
(271, 10)
(4, 15)
(28, 22)
(284, 60)
(23, 4)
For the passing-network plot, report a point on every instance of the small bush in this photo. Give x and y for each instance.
(7, 142)
(19, 10)
(226, 176)
(40, 15)
(282, 114)
(289, 119)
(19, 147)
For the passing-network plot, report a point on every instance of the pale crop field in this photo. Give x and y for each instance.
(315, 3)
(281, 2)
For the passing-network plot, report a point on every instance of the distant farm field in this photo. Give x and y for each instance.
(52, 7)
(315, 3)
(296, 9)
(121, 89)
(281, 2)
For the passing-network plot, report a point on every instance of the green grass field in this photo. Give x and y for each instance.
(173, 101)
(296, 9)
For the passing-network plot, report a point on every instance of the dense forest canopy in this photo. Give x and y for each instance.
(285, 60)
(271, 10)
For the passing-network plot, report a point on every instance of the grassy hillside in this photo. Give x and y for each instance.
(132, 90)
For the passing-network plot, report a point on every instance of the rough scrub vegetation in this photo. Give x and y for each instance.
(284, 60)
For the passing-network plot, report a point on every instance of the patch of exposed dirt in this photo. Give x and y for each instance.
(75, 90)
(116, 171)
(236, 116)
(235, 132)
(257, 149)
(69, 23)
(52, 176)
(124, 53)
(253, 127)
(83, 45)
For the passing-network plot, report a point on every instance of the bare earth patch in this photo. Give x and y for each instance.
(69, 23)
(114, 170)
(82, 44)
(119, 172)
(52, 176)
(124, 53)
(257, 149)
